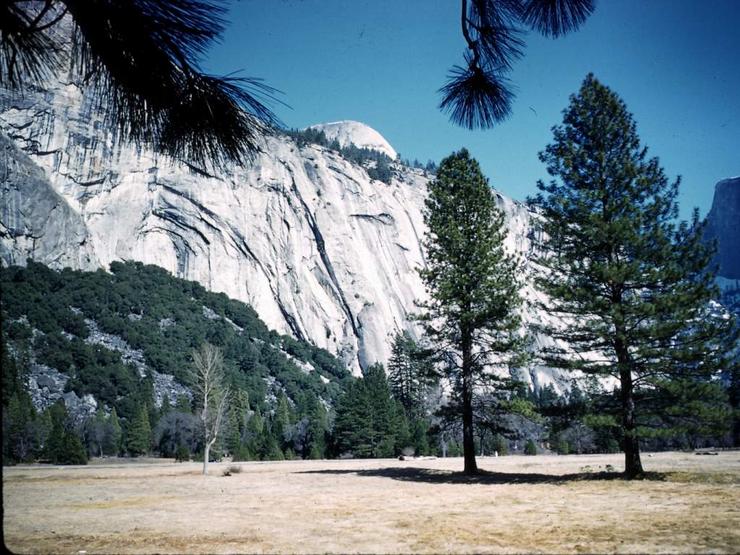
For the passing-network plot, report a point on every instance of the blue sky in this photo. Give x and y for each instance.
(676, 63)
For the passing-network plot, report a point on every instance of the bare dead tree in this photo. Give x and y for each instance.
(213, 395)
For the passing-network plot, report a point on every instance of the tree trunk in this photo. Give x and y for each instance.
(631, 443)
(467, 397)
(206, 453)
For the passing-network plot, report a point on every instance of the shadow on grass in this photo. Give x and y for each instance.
(426, 475)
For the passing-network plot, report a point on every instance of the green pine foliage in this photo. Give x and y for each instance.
(530, 448)
(182, 453)
(472, 318)
(410, 378)
(500, 445)
(407, 376)
(369, 422)
(63, 445)
(629, 281)
(139, 436)
(112, 441)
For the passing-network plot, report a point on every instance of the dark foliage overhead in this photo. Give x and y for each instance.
(138, 62)
(478, 95)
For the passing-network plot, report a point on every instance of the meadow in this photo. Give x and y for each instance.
(688, 503)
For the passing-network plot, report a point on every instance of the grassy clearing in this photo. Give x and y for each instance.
(518, 504)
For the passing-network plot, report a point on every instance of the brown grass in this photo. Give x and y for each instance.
(519, 504)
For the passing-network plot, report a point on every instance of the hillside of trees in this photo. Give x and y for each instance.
(47, 316)
(277, 410)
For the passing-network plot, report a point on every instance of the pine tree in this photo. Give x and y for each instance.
(630, 282)
(73, 452)
(112, 443)
(406, 374)
(183, 404)
(140, 433)
(55, 442)
(166, 406)
(254, 433)
(369, 421)
(19, 437)
(282, 421)
(317, 428)
(472, 317)
(96, 429)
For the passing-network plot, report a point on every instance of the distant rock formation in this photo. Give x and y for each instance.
(723, 224)
(349, 132)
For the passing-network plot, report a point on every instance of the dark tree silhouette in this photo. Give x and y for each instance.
(478, 95)
(138, 61)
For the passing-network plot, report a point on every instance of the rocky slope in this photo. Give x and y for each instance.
(319, 249)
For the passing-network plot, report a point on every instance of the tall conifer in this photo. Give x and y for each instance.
(472, 317)
(629, 282)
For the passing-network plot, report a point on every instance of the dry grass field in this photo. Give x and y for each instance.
(520, 504)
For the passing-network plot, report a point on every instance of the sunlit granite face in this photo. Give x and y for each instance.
(320, 250)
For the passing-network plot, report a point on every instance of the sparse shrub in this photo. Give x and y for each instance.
(182, 453)
(562, 447)
(242, 453)
(233, 469)
(530, 448)
(500, 445)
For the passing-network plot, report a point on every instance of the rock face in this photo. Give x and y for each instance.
(319, 249)
(353, 132)
(35, 221)
(723, 224)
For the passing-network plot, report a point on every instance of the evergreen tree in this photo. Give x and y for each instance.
(472, 317)
(96, 429)
(270, 449)
(369, 421)
(237, 421)
(55, 442)
(139, 61)
(73, 452)
(166, 406)
(530, 448)
(317, 429)
(140, 433)
(254, 433)
(63, 445)
(183, 404)
(405, 373)
(282, 421)
(630, 282)
(20, 437)
(112, 442)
